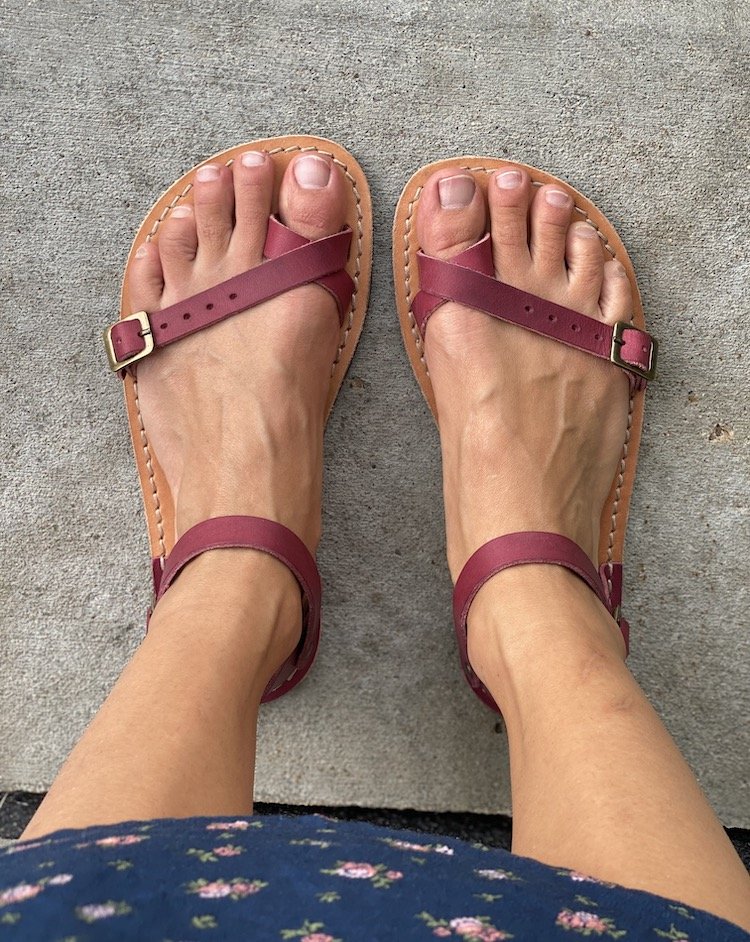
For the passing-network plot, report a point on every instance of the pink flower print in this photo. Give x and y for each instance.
(317, 937)
(589, 922)
(61, 879)
(394, 874)
(94, 911)
(443, 849)
(441, 931)
(466, 925)
(245, 889)
(228, 826)
(19, 893)
(490, 934)
(214, 890)
(405, 845)
(17, 848)
(356, 871)
(122, 841)
(227, 851)
(582, 877)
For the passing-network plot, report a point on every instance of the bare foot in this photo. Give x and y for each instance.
(531, 430)
(235, 413)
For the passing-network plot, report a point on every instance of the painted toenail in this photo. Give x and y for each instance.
(456, 192)
(312, 172)
(509, 179)
(253, 158)
(208, 173)
(586, 231)
(141, 252)
(180, 211)
(557, 197)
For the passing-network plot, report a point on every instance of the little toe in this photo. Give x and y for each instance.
(253, 174)
(585, 260)
(509, 196)
(214, 211)
(452, 213)
(551, 210)
(312, 196)
(178, 244)
(145, 278)
(616, 300)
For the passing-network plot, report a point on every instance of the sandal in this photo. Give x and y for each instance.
(341, 264)
(424, 283)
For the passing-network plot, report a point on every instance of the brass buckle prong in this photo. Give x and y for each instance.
(145, 332)
(617, 341)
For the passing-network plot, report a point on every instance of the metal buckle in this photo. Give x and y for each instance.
(145, 332)
(617, 342)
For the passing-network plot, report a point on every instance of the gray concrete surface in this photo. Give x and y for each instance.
(640, 105)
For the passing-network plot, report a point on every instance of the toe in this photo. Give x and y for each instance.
(585, 260)
(178, 243)
(452, 213)
(616, 301)
(312, 196)
(509, 196)
(551, 210)
(145, 278)
(253, 191)
(214, 210)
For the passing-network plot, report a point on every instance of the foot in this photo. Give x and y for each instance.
(531, 431)
(235, 413)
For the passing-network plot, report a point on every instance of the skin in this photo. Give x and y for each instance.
(598, 784)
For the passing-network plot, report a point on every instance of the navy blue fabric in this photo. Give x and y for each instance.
(312, 879)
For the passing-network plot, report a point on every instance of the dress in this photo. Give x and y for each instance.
(313, 879)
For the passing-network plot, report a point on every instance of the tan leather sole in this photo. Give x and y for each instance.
(406, 277)
(156, 494)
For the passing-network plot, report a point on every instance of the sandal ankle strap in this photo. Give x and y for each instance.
(270, 537)
(518, 549)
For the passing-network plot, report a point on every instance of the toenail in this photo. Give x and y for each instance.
(557, 197)
(179, 211)
(619, 270)
(141, 252)
(456, 192)
(509, 179)
(585, 230)
(253, 158)
(312, 172)
(208, 173)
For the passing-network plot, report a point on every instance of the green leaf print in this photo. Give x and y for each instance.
(329, 897)
(675, 934)
(10, 918)
(308, 928)
(204, 922)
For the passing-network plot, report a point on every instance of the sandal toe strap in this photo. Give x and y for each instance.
(469, 279)
(292, 261)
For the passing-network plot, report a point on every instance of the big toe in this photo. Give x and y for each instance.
(312, 198)
(452, 213)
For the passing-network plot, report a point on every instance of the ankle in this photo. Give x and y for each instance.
(537, 615)
(245, 601)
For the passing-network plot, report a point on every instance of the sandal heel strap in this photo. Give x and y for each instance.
(518, 549)
(267, 536)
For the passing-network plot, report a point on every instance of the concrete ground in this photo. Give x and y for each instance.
(642, 106)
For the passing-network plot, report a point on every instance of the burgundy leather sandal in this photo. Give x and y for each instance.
(341, 264)
(424, 283)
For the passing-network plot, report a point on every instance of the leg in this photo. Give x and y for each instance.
(236, 418)
(531, 435)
